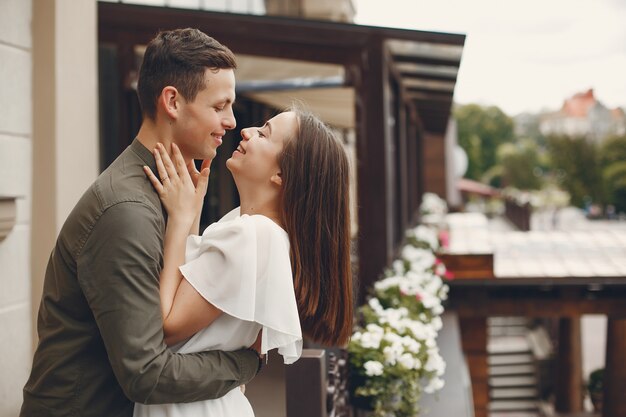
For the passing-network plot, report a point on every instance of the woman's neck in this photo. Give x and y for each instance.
(263, 203)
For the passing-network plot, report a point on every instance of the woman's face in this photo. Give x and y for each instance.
(256, 157)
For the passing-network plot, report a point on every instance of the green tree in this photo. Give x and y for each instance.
(519, 165)
(576, 163)
(613, 165)
(481, 130)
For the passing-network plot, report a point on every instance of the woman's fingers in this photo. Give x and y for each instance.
(203, 182)
(179, 162)
(170, 169)
(159, 163)
(154, 180)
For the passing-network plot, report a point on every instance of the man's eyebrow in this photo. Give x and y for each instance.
(227, 100)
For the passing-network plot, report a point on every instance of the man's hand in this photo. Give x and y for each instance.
(257, 343)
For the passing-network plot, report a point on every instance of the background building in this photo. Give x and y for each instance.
(584, 115)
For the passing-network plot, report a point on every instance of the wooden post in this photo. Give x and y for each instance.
(474, 342)
(375, 246)
(307, 399)
(569, 378)
(615, 370)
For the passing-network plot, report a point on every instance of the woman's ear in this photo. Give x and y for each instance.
(169, 101)
(277, 179)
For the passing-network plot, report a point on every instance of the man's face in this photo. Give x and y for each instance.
(202, 123)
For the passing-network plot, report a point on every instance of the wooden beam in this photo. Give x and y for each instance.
(429, 77)
(372, 170)
(427, 60)
(535, 304)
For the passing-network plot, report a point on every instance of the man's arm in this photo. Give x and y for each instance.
(118, 269)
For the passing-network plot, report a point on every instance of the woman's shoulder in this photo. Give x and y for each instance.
(236, 226)
(264, 224)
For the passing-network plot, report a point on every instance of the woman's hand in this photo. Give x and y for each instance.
(181, 198)
(193, 171)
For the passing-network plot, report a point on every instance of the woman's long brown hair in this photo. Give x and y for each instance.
(316, 215)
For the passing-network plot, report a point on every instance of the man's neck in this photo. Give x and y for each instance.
(152, 132)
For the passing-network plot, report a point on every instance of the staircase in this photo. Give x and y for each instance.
(513, 384)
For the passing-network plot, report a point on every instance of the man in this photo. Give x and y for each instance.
(101, 342)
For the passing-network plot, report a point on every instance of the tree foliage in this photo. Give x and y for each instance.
(577, 164)
(481, 130)
(519, 165)
(613, 166)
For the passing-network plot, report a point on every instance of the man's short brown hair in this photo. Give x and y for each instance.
(179, 58)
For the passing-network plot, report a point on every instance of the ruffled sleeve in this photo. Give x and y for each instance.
(241, 265)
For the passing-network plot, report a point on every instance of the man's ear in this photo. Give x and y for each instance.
(169, 100)
(277, 179)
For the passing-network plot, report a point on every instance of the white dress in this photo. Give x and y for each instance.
(240, 265)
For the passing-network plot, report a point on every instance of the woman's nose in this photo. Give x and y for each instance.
(246, 133)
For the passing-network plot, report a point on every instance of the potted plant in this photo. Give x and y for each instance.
(393, 354)
(595, 388)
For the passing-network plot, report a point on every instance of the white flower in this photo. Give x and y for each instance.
(406, 360)
(398, 267)
(435, 384)
(373, 368)
(371, 340)
(374, 303)
(392, 353)
(428, 235)
(436, 323)
(435, 362)
(392, 337)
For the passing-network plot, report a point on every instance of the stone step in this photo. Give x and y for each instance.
(514, 405)
(513, 393)
(508, 344)
(512, 381)
(507, 331)
(508, 321)
(511, 359)
(523, 369)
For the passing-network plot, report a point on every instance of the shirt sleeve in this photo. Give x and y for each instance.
(118, 270)
(243, 267)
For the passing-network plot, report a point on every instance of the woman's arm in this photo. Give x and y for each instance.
(184, 310)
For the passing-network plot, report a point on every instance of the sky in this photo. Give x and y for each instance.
(522, 56)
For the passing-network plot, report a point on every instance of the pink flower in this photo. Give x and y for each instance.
(449, 275)
(418, 297)
(444, 238)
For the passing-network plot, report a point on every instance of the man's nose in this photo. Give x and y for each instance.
(229, 121)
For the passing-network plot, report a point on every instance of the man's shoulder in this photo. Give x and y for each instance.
(122, 191)
(124, 181)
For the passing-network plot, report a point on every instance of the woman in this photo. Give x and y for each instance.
(279, 264)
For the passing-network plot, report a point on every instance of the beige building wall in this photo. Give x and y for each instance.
(48, 156)
(15, 181)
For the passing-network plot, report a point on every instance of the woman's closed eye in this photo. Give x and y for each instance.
(260, 132)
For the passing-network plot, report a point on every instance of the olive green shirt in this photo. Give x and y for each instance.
(100, 329)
